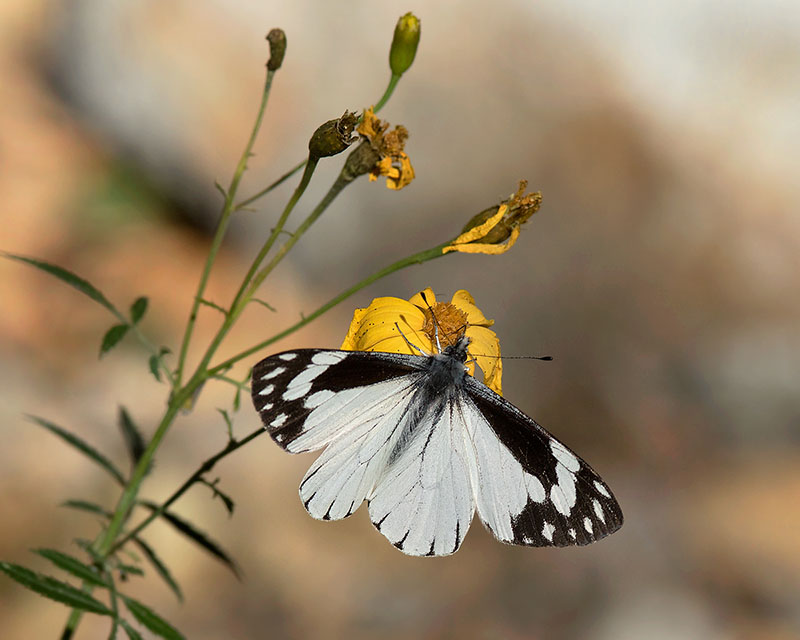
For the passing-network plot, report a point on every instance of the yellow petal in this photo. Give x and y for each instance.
(464, 301)
(482, 229)
(375, 328)
(490, 249)
(417, 299)
(484, 347)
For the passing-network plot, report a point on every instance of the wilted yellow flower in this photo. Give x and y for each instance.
(394, 163)
(495, 230)
(376, 329)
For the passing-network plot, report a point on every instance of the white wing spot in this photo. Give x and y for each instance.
(571, 533)
(287, 356)
(301, 384)
(316, 399)
(328, 357)
(598, 510)
(565, 457)
(587, 524)
(558, 500)
(601, 488)
(267, 390)
(275, 372)
(279, 420)
(267, 406)
(534, 487)
(547, 531)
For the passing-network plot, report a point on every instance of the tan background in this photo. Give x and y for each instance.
(662, 273)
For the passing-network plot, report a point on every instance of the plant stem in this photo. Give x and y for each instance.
(222, 227)
(417, 258)
(204, 468)
(387, 93)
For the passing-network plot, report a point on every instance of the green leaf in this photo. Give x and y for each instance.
(213, 305)
(138, 309)
(129, 569)
(133, 438)
(154, 363)
(72, 565)
(54, 589)
(148, 618)
(112, 338)
(133, 634)
(82, 446)
(160, 567)
(190, 531)
(91, 507)
(226, 499)
(68, 277)
(263, 303)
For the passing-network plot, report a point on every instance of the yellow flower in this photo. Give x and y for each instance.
(495, 230)
(394, 163)
(379, 327)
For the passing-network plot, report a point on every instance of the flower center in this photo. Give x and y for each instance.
(448, 320)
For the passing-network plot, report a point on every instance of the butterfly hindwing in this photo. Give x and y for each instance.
(423, 502)
(531, 489)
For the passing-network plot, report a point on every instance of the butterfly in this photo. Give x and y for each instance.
(426, 444)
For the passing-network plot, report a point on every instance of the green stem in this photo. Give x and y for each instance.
(387, 94)
(195, 477)
(417, 258)
(378, 106)
(222, 228)
(310, 166)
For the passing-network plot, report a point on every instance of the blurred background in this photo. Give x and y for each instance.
(662, 273)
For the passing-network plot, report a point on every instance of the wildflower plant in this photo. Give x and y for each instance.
(103, 563)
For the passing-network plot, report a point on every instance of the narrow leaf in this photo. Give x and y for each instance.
(138, 309)
(133, 438)
(226, 499)
(68, 277)
(159, 566)
(112, 338)
(133, 634)
(129, 569)
(195, 534)
(54, 589)
(84, 505)
(263, 303)
(154, 367)
(213, 305)
(72, 565)
(148, 618)
(81, 445)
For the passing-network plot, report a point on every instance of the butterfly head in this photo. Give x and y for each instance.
(457, 350)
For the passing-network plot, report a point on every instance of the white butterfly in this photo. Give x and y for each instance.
(425, 443)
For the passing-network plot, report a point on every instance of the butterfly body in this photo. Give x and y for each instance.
(426, 445)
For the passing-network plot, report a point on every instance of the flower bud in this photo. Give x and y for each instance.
(277, 49)
(404, 44)
(334, 136)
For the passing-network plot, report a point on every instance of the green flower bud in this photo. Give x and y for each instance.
(277, 49)
(334, 136)
(404, 44)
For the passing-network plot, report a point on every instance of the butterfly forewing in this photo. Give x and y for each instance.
(426, 445)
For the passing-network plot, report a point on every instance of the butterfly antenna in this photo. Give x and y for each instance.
(435, 322)
(408, 342)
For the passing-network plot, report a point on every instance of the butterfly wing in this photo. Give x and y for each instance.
(530, 488)
(423, 501)
(354, 402)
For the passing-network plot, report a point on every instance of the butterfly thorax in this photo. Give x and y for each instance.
(447, 368)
